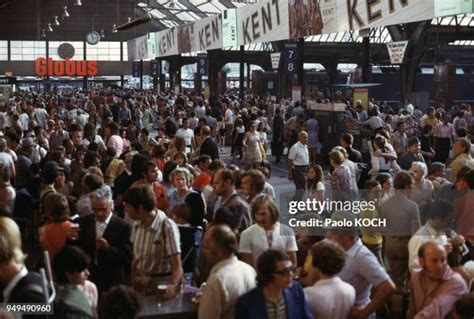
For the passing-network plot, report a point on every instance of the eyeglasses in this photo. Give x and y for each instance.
(289, 271)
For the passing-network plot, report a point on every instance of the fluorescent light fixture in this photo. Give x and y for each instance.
(56, 21)
(50, 28)
(142, 5)
(43, 33)
(114, 28)
(77, 3)
(102, 34)
(65, 13)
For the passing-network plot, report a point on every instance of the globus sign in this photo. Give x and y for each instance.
(48, 67)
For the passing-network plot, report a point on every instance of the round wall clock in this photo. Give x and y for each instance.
(93, 37)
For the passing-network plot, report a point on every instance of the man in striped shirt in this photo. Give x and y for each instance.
(156, 242)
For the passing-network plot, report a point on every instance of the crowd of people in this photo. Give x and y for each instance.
(127, 191)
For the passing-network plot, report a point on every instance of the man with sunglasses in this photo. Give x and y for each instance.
(277, 295)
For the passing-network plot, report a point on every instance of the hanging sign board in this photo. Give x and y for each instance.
(208, 33)
(396, 51)
(136, 69)
(185, 38)
(275, 57)
(264, 21)
(202, 64)
(305, 18)
(137, 48)
(229, 27)
(167, 42)
(453, 7)
(291, 57)
(155, 68)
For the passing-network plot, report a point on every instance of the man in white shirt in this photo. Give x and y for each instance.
(188, 135)
(329, 297)
(436, 230)
(229, 123)
(298, 161)
(229, 277)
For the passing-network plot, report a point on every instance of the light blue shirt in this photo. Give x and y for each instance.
(362, 271)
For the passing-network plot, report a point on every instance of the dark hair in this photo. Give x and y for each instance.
(441, 209)
(383, 177)
(69, 259)
(436, 166)
(228, 216)
(197, 208)
(202, 158)
(93, 181)
(120, 302)
(313, 183)
(182, 211)
(216, 164)
(57, 206)
(328, 257)
(347, 138)
(140, 195)
(138, 162)
(90, 159)
(372, 184)
(266, 265)
(412, 141)
(427, 128)
(227, 175)
(169, 167)
(464, 306)
(469, 178)
(258, 180)
(402, 179)
(158, 151)
(147, 166)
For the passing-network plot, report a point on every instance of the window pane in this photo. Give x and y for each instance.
(3, 57)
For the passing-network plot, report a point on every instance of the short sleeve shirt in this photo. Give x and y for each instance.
(299, 154)
(363, 271)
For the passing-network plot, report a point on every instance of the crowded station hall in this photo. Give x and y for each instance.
(237, 159)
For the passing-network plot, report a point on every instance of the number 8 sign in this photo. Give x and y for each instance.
(291, 57)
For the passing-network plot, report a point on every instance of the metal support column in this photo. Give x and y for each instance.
(300, 79)
(241, 75)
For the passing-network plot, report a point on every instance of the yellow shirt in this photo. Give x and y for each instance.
(375, 238)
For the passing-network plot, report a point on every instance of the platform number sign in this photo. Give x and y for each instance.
(155, 68)
(202, 64)
(291, 57)
(136, 69)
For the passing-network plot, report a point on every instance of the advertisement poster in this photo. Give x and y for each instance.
(305, 18)
(185, 38)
